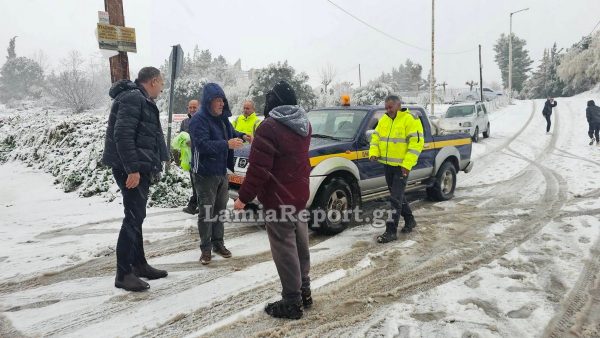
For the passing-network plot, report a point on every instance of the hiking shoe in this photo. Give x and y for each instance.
(306, 297)
(409, 224)
(221, 250)
(131, 282)
(190, 210)
(285, 309)
(146, 271)
(387, 237)
(205, 257)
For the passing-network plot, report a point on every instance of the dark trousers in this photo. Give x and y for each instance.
(213, 194)
(396, 183)
(130, 245)
(548, 122)
(193, 202)
(594, 130)
(289, 248)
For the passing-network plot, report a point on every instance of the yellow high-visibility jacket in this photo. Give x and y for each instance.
(246, 125)
(398, 142)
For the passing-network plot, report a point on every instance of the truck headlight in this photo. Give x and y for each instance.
(467, 124)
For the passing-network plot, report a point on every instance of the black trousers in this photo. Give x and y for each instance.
(193, 202)
(130, 245)
(548, 122)
(594, 130)
(396, 183)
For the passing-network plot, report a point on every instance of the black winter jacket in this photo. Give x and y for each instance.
(592, 113)
(548, 107)
(134, 138)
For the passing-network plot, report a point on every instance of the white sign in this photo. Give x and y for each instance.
(103, 17)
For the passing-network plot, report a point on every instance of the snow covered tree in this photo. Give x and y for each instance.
(266, 78)
(372, 94)
(79, 87)
(407, 77)
(544, 81)
(521, 60)
(579, 68)
(20, 77)
(11, 49)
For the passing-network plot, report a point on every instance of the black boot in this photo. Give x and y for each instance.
(285, 308)
(131, 282)
(192, 210)
(409, 224)
(146, 271)
(306, 297)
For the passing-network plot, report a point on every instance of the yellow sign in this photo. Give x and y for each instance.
(119, 38)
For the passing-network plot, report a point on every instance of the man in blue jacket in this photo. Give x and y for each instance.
(213, 141)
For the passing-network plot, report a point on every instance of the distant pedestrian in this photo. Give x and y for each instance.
(592, 113)
(547, 112)
(135, 148)
(192, 206)
(247, 122)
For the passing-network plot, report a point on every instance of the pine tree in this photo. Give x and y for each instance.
(521, 61)
(11, 49)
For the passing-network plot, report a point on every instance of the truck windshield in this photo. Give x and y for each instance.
(460, 111)
(336, 124)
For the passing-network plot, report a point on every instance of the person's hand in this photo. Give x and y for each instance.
(235, 143)
(133, 180)
(238, 205)
(405, 171)
(248, 138)
(374, 158)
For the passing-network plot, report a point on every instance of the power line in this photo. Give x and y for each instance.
(389, 35)
(598, 24)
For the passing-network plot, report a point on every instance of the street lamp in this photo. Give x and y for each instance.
(510, 57)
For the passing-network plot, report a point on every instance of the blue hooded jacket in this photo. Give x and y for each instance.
(211, 155)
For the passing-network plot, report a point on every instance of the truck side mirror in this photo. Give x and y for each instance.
(368, 135)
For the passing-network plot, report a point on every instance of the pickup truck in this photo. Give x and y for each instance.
(343, 177)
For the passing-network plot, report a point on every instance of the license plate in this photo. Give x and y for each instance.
(236, 179)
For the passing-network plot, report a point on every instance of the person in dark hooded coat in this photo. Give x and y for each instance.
(135, 148)
(592, 113)
(213, 141)
(279, 176)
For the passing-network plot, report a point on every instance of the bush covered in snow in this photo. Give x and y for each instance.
(580, 67)
(70, 148)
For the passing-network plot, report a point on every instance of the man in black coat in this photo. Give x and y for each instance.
(135, 148)
(547, 112)
(592, 113)
(192, 207)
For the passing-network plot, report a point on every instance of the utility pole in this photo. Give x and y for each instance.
(480, 76)
(359, 77)
(431, 80)
(443, 85)
(510, 56)
(119, 64)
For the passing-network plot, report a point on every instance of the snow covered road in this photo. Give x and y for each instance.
(515, 254)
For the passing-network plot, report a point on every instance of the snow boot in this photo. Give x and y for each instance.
(285, 308)
(592, 141)
(387, 237)
(146, 271)
(409, 224)
(221, 250)
(131, 282)
(205, 257)
(306, 297)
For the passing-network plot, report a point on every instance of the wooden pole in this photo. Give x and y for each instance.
(119, 64)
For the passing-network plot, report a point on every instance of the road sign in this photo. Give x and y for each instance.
(119, 38)
(179, 117)
(178, 51)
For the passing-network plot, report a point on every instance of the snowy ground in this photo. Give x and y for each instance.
(514, 254)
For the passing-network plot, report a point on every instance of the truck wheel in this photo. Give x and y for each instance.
(475, 137)
(445, 183)
(334, 198)
(486, 133)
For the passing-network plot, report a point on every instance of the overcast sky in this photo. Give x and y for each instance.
(309, 33)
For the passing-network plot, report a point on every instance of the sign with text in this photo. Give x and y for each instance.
(119, 38)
